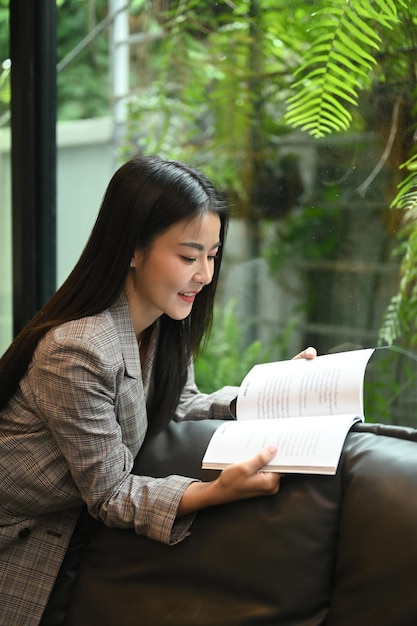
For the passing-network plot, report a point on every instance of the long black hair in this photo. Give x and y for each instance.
(144, 198)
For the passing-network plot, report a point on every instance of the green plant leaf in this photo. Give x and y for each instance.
(339, 61)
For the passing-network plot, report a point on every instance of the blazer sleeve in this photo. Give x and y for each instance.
(76, 385)
(195, 405)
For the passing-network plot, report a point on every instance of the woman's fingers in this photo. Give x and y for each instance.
(249, 478)
(308, 353)
(258, 462)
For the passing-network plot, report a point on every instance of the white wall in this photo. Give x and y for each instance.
(85, 164)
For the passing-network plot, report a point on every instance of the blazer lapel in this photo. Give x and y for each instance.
(120, 313)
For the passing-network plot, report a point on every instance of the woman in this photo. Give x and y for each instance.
(106, 363)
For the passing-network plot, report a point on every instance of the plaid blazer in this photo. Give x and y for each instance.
(70, 435)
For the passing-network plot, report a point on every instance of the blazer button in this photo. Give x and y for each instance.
(24, 532)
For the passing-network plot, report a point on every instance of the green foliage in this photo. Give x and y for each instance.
(212, 74)
(183, 108)
(338, 63)
(225, 359)
(83, 86)
(4, 56)
(83, 89)
(306, 234)
(406, 197)
(5, 85)
(355, 45)
(224, 75)
(400, 320)
(389, 387)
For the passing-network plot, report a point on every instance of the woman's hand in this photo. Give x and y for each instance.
(237, 482)
(247, 480)
(308, 353)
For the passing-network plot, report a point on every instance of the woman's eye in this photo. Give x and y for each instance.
(188, 259)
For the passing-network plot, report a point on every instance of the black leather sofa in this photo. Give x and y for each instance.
(329, 551)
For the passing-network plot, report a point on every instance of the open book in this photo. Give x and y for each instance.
(303, 407)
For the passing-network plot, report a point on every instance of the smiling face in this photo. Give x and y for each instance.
(167, 277)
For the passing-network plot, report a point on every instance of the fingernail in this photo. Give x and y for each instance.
(273, 449)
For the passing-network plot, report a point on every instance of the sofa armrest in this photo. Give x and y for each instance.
(377, 553)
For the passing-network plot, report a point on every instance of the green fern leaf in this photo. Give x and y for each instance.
(340, 88)
(363, 26)
(339, 74)
(356, 50)
(331, 103)
(307, 104)
(323, 127)
(382, 11)
(357, 33)
(406, 197)
(400, 315)
(340, 60)
(392, 325)
(345, 65)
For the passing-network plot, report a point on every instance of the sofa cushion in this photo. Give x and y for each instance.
(269, 560)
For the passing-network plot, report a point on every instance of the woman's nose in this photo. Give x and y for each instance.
(204, 274)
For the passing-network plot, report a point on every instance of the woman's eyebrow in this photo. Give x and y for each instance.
(199, 246)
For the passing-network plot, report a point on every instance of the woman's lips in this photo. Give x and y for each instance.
(188, 296)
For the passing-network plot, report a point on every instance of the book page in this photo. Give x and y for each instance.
(330, 384)
(304, 445)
